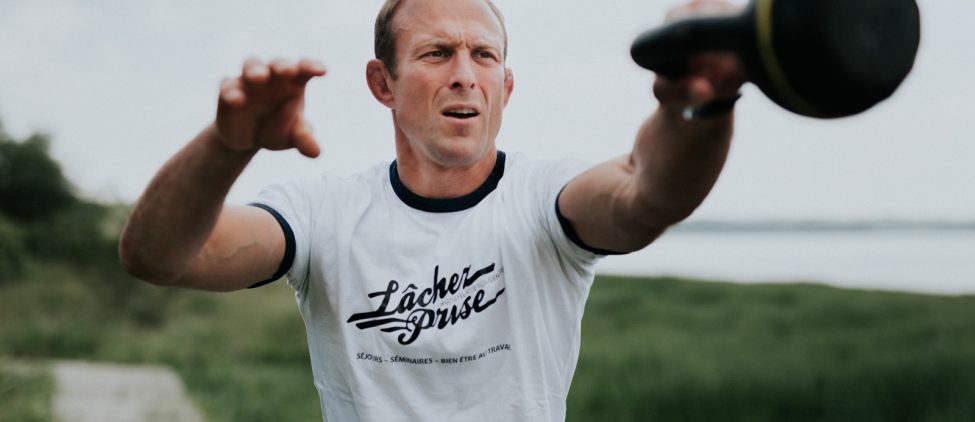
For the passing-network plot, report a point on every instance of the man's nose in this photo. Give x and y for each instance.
(462, 73)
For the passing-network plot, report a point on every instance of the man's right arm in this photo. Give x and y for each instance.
(180, 233)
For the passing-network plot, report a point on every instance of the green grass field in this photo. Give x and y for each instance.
(670, 350)
(242, 356)
(653, 349)
(25, 392)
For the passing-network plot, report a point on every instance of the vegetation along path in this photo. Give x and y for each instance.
(110, 392)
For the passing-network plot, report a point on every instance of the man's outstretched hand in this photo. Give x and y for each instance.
(712, 75)
(263, 107)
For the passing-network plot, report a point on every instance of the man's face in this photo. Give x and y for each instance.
(451, 84)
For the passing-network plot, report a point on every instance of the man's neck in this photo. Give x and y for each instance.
(429, 179)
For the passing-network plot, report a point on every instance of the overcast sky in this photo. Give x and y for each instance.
(121, 85)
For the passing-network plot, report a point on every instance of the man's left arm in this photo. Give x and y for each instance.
(624, 204)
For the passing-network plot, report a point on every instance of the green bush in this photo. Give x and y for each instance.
(42, 221)
(72, 235)
(32, 186)
(40, 215)
(13, 252)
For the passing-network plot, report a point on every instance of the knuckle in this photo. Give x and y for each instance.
(251, 61)
(283, 66)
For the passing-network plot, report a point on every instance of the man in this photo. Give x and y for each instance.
(449, 284)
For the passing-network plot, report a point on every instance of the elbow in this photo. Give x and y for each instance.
(138, 264)
(657, 217)
(670, 217)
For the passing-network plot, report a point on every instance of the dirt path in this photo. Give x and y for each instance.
(90, 392)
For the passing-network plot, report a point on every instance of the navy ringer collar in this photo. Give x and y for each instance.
(442, 205)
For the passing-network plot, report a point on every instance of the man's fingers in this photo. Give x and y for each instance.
(255, 72)
(674, 92)
(232, 93)
(311, 67)
(711, 76)
(271, 94)
(304, 141)
(701, 8)
(275, 79)
(283, 68)
(307, 69)
(688, 91)
(723, 70)
(284, 80)
(700, 91)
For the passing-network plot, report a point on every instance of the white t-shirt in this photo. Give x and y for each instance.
(417, 309)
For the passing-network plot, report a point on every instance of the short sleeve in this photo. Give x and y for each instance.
(550, 179)
(289, 245)
(290, 204)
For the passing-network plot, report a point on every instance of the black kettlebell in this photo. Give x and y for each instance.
(817, 58)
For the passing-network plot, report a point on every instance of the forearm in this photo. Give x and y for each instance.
(676, 163)
(173, 219)
(624, 204)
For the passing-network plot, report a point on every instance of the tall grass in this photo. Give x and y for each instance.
(671, 350)
(26, 393)
(652, 349)
(242, 356)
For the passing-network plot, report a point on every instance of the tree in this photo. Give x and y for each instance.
(32, 185)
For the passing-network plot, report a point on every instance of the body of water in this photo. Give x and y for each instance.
(927, 261)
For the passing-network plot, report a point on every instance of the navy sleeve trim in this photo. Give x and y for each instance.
(571, 233)
(289, 246)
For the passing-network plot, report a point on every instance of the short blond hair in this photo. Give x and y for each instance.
(385, 34)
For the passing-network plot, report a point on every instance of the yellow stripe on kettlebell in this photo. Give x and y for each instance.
(763, 23)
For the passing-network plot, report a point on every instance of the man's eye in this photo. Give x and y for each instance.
(437, 54)
(485, 55)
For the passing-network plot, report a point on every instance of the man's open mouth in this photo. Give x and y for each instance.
(461, 113)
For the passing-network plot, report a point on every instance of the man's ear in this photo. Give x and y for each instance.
(509, 84)
(379, 78)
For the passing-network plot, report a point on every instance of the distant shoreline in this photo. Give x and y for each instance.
(711, 226)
